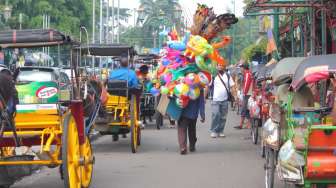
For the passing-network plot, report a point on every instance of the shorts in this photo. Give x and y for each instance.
(245, 111)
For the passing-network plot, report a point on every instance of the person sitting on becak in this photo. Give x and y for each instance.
(125, 73)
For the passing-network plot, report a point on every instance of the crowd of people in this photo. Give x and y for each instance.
(224, 89)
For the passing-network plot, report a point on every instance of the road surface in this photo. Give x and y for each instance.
(230, 162)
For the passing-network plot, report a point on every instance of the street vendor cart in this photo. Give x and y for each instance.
(49, 116)
(120, 113)
(306, 141)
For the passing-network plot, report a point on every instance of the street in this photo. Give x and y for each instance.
(230, 162)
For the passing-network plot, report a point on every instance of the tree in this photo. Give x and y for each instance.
(244, 33)
(156, 15)
(65, 15)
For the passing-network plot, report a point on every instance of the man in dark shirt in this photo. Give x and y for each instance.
(187, 123)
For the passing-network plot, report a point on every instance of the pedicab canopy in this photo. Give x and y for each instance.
(314, 69)
(33, 38)
(256, 69)
(106, 50)
(285, 69)
(147, 58)
(265, 72)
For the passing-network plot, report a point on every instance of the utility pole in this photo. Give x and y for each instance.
(134, 17)
(118, 15)
(100, 29)
(234, 32)
(20, 20)
(323, 31)
(93, 27)
(107, 22)
(101, 22)
(112, 21)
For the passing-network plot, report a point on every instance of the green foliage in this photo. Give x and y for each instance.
(157, 14)
(65, 15)
(244, 34)
(253, 49)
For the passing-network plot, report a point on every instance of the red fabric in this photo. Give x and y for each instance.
(317, 76)
(104, 96)
(247, 81)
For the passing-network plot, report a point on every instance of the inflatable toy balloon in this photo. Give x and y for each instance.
(173, 34)
(207, 66)
(205, 78)
(165, 62)
(224, 42)
(171, 87)
(167, 78)
(164, 32)
(198, 46)
(186, 38)
(176, 45)
(181, 89)
(182, 102)
(155, 92)
(192, 79)
(149, 86)
(194, 93)
(216, 57)
(164, 90)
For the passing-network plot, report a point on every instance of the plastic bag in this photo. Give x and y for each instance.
(288, 155)
(254, 108)
(270, 132)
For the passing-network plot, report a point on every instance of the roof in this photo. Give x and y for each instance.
(147, 56)
(285, 69)
(313, 69)
(39, 68)
(29, 38)
(106, 49)
(265, 72)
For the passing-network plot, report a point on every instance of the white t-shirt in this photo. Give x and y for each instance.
(219, 91)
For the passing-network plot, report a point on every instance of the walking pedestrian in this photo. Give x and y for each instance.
(186, 125)
(247, 92)
(223, 85)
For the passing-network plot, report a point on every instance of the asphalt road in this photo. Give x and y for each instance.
(230, 162)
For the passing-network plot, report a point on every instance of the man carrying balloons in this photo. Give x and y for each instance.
(187, 122)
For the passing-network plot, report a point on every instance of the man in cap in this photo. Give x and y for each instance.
(223, 86)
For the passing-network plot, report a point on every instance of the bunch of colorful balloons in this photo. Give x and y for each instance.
(186, 67)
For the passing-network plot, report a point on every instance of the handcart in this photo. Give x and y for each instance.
(121, 113)
(49, 116)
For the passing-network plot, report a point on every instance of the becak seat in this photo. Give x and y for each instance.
(117, 87)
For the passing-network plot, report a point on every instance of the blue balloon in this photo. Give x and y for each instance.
(155, 92)
(165, 62)
(186, 38)
(176, 45)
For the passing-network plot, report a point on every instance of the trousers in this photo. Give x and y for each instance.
(186, 128)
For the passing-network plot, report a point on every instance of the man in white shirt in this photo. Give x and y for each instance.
(222, 84)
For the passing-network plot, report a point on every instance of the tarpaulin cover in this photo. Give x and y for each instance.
(32, 37)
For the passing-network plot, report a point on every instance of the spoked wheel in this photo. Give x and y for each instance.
(269, 168)
(139, 136)
(134, 125)
(71, 168)
(254, 130)
(87, 166)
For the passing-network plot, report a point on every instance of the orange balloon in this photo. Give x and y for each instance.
(215, 56)
(225, 41)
